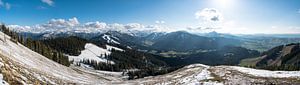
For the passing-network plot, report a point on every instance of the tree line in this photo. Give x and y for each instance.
(36, 46)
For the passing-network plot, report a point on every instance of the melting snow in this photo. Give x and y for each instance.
(109, 40)
(108, 47)
(93, 52)
(267, 73)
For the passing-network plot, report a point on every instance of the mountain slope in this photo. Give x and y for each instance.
(183, 41)
(284, 57)
(21, 65)
(94, 52)
(160, 41)
(228, 55)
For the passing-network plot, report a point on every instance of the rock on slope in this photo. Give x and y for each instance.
(20, 65)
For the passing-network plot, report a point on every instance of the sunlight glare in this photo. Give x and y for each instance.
(224, 3)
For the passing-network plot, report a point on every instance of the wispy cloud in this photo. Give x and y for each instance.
(210, 19)
(5, 5)
(1, 3)
(49, 2)
(299, 11)
(209, 14)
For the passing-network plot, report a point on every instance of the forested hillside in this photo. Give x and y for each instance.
(70, 45)
(37, 46)
(228, 55)
(283, 57)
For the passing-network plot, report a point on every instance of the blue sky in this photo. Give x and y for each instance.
(236, 16)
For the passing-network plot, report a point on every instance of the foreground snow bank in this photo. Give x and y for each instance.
(267, 73)
(203, 75)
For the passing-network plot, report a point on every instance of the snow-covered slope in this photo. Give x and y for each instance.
(24, 66)
(108, 47)
(267, 73)
(110, 39)
(93, 52)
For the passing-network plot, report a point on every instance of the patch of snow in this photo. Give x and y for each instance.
(128, 47)
(195, 79)
(267, 73)
(2, 82)
(92, 52)
(197, 65)
(108, 47)
(109, 39)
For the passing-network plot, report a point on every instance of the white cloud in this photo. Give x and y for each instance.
(96, 24)
(1, 3)
(5, 5)
(210, 19)
(63, 23)
(49, 2)
(73, 21)
(134, 26)
(73, 25)
(209, 14)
